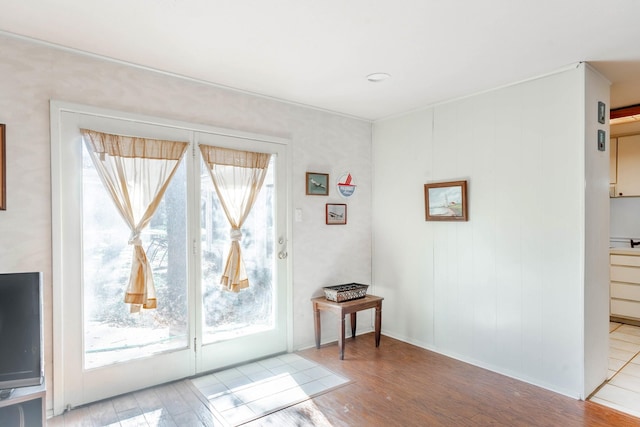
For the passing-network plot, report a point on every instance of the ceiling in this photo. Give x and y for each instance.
(318, 53)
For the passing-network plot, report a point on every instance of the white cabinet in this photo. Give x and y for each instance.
(627, 182)
(624, 288)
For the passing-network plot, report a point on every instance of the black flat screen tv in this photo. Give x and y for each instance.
(21, 362)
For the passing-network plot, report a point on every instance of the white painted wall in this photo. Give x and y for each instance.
(32, 74)
(505, 289)
(596, 232)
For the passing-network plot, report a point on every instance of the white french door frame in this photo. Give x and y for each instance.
(57, 111)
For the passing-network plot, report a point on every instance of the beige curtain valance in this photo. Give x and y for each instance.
(132, 146)
(236, 158)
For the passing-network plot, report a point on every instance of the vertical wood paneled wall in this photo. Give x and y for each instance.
(503, 290)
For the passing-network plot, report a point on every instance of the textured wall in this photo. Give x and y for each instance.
(32, 74)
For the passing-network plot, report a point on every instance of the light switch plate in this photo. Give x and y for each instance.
(602, 111)
(602, 135)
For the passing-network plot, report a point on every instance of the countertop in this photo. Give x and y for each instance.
(624, 251)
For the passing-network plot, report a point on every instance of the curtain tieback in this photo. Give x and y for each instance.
(236, 234)
(134, 238)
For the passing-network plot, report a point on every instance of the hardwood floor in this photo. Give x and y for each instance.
(399, 384)
(396, 384)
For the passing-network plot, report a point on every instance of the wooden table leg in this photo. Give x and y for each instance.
(353, 325)
(378, 323)
(341, 337)
(316, 322)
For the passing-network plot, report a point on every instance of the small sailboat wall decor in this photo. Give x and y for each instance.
(346, 185)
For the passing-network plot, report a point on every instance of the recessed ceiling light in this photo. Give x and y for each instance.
(377, 77)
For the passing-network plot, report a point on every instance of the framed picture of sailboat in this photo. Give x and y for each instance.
(446, 201)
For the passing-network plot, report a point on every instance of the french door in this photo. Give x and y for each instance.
(102, 350)
(251, 324)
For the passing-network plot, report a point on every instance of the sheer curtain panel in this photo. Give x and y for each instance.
(237, 177)
(135, 172)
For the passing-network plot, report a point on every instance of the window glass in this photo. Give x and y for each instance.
(227, 314)
(111, 333)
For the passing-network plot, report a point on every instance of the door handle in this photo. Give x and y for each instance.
(283, 253)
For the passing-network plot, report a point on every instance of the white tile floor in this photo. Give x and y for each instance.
(622, 390)
(247, 392)
(224, 398)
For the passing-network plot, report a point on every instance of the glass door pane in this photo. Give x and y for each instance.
(111, 333)
(227, 314)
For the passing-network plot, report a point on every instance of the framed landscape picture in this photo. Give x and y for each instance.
(446, 201)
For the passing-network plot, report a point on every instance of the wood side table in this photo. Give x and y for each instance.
(344, 308)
